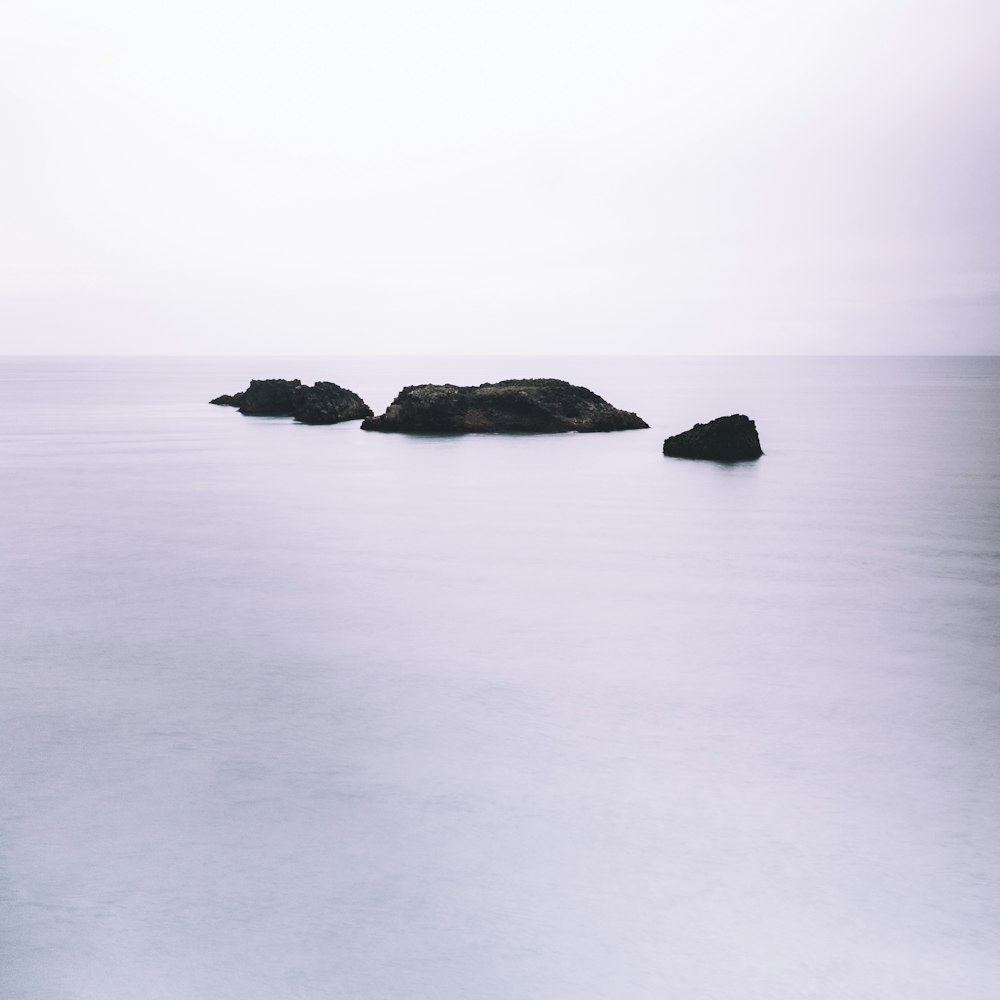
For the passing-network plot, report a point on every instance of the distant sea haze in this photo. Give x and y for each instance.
(297, 711)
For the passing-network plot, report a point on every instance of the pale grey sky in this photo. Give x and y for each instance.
(766, 176)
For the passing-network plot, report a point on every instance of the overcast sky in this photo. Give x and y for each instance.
(764, 176)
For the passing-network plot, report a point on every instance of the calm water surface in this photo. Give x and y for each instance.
(304, 712)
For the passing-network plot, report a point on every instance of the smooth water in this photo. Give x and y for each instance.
(305, 712)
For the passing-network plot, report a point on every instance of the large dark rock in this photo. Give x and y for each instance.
(322, 403)
(328, 403)
(516, 406)
(725, 439)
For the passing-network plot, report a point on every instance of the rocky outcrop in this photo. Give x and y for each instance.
(322, 403)
(224, 400)
(328, 403)
(725, 439)
(270, 397)
(515, 406)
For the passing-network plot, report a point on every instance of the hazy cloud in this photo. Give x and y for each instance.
(552, 177)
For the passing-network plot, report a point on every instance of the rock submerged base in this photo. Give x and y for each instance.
(725, 439)
(515, 406)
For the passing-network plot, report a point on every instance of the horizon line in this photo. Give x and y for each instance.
(207, 356)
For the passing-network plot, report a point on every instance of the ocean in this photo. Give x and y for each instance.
(306, 712)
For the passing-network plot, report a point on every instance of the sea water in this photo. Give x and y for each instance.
(306, 712)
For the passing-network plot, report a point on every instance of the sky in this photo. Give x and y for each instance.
(543, 177)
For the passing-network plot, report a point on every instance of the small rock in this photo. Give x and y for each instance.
(233, 400)
(725, 439)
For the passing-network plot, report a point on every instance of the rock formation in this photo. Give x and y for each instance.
(328, 403)
(270, 397)
(515, 406)
(322, 403)
(725, 439)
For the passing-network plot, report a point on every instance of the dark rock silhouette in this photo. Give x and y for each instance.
(270, 397)
(328, 403)
(322, 403)
(515, 406)
(233, 400)
(725, 439)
